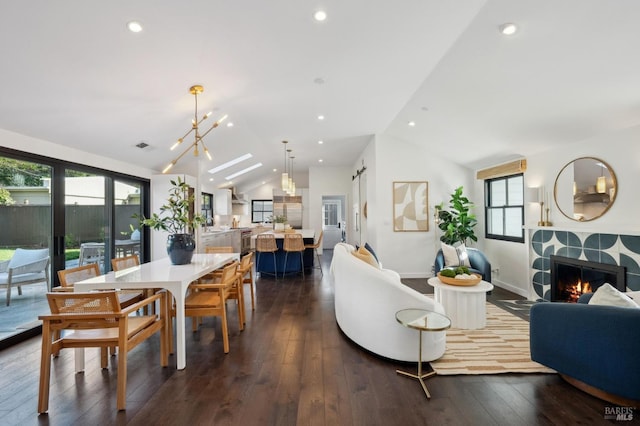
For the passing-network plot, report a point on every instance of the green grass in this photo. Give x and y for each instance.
(70, 254)
(6, 254)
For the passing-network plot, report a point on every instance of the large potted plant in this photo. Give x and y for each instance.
(177, 218)
(458, 222)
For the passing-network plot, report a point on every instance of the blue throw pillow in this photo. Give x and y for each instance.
(368, 247)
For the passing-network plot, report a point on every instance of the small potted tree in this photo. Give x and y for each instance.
(458, 222)
(176, 217)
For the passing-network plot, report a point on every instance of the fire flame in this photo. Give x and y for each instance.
(583, 287)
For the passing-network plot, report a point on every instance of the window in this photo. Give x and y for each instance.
(504, 207)
(261, 210)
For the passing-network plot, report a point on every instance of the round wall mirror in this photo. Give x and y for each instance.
(585, 189)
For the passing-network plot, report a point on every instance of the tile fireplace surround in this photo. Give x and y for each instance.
(613, 249)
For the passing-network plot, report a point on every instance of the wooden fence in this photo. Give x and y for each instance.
(29, 226)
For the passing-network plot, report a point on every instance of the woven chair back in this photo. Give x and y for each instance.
(293, 242)
(68, 277)
(266, 243)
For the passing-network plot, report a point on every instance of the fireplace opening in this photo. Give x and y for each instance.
(571, 278)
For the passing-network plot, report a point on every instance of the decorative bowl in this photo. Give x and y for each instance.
(460, 281)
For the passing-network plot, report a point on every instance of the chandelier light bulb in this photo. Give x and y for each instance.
(175, 145)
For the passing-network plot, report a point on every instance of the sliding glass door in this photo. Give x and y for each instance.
(86, 224)
(69, 213)
(25, 243)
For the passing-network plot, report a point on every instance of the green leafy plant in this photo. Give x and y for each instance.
(5, 197)
(174, 216)
(279, 219)
(458, 222)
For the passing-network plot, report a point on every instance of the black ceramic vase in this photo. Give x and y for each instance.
(180, 248)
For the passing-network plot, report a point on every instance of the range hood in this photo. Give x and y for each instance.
(235, 199)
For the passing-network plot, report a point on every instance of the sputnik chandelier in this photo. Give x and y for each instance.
(195, 91)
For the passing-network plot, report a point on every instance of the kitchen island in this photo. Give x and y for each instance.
(265, 265)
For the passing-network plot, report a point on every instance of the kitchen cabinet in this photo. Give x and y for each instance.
(223, 202)
(230, 238)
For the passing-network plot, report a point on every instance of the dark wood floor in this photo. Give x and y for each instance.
(290, 366)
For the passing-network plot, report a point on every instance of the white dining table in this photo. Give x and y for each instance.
(159, 274)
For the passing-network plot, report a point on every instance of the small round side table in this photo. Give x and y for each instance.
(421, 320)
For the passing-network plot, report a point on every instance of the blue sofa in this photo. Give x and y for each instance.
(596, 345)
(479, 263)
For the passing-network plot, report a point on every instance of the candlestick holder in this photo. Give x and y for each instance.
(541, 222)
(547, 222)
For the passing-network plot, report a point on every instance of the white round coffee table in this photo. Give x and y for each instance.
(464, 305)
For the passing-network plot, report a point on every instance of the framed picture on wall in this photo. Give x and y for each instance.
(410, 206)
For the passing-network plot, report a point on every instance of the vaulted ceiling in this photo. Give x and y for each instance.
(73, 74)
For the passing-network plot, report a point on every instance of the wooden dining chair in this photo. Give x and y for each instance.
(315, 246)
(220, 249)
(131, 261)
(215, 274)
(68, 277)
(120, 263)
(208, 299)
(96, 320)
(293, 243)
(246, 275)
(266, 243)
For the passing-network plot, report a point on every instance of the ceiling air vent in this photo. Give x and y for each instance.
(142, 145)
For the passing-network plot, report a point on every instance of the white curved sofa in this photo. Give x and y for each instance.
(366, 302)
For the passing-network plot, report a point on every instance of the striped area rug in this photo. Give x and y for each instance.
(501, 347)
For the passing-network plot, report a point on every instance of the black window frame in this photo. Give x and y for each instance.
(253, 202)
(489, 207)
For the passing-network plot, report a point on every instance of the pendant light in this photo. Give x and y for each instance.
(292, 189)
(284, 182)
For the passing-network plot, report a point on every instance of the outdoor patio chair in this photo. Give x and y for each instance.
(25, 267)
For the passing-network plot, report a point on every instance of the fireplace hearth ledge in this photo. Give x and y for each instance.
(562, 228)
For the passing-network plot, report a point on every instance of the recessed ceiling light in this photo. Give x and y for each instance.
(320, 15)
(230, 124)
(321, 117)
(210, 179)
(508, 28)
(263, 182)
(411, 123)
(320, 142)
(320, 160)
(275, 170)
(134, 26)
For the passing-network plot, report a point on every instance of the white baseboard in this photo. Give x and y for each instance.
(517, 290)
(416, 275)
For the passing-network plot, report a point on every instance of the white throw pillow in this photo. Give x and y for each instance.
(607, 295)
(455, 256)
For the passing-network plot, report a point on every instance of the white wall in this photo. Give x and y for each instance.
(409, 253)
(52, 150)
(620, 150)
(325, 181)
